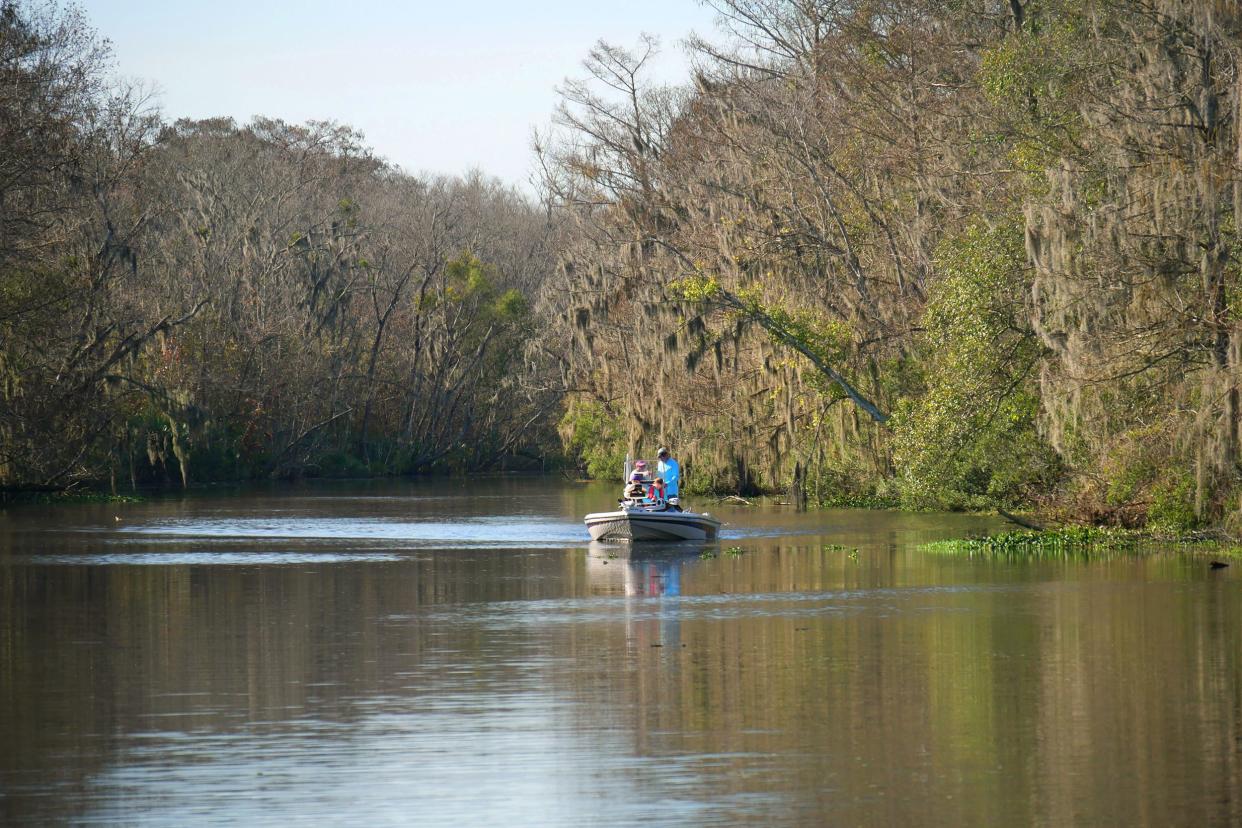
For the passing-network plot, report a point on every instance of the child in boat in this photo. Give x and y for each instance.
(655, 492)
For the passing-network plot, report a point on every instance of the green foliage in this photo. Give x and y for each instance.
(1142, 479)
(1172, 508)
(593, 434)
(468, 278)
(470, 281)
(1036, 75)
(970, 438)
(1033, 81)
(810, 329)
(1134, 460)
(510, 306)
(1039, 543)
(853, 489)
(865, 500)
(827, 338)
(696, 288)
(1033, 68)
(1228, 552)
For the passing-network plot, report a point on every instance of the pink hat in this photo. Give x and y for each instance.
(640, 464)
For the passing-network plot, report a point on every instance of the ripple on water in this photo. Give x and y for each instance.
(215, 558)
(525, 531)
(544, 613)
(499, 765)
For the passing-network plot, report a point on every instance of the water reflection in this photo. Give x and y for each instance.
(819, 669)
(646, 569)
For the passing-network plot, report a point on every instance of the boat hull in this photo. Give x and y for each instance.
(643, 525)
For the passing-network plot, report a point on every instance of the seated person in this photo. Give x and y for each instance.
(655, 492)
(635, 490)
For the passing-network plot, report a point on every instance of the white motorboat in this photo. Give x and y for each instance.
(647, 523)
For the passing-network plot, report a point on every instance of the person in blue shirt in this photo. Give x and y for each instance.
(670, 471)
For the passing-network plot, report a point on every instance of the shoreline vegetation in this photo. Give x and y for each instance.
(933, 256)
(1082, 541)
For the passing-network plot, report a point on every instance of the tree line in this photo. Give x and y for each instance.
(922, 252)
(203, 300)
(931, 253)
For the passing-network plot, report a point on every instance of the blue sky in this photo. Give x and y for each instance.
(439, 87)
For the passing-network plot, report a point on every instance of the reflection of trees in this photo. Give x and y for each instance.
(91, 654)
(1052, 702)
(1053, 693)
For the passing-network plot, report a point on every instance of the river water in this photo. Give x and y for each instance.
(457, 653)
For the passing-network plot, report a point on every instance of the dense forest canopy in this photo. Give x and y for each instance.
(936, 253)
(205, 300)
(928, 252)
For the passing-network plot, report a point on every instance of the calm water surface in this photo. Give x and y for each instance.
(438, 653)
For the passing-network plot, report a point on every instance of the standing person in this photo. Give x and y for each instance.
(670, 471)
